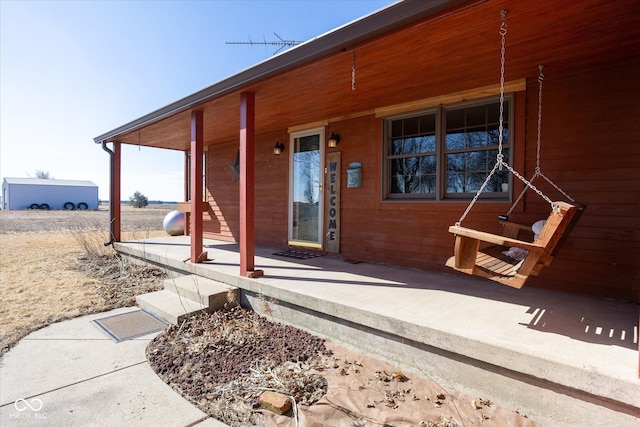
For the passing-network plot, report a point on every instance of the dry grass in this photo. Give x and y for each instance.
(54, 266)
(39, 285)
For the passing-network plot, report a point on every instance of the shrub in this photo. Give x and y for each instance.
(138, 200)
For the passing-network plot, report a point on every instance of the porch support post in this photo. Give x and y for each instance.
(196, 187)
(187, 171)
(247, 197)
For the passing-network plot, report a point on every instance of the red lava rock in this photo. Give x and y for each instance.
(219, 355)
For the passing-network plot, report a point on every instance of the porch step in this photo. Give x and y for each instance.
(184, 296)
(205, 291)
(168, 306)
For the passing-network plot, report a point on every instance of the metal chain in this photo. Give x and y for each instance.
(475, 198)
(530, 185)
(500, 156)
(353, 72)
(515, 203)
(540, 80)
(538, 171)
(500, 163)
(560, 190)
(503, 34)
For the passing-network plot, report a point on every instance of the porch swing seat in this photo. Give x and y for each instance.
(491, 263)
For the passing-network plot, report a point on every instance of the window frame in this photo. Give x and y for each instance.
(386, 149)
(440, 152)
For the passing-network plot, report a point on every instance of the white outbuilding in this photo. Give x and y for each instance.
(35, 193)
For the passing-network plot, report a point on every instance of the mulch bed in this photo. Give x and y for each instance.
(224, 361)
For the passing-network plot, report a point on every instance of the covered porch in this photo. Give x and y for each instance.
(562, 359)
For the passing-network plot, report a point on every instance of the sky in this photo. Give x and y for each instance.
(73, 70)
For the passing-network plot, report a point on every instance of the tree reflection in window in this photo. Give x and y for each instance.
(306, 188)
(413, 155)
(425, 160)
(471, 142)
(306, 169)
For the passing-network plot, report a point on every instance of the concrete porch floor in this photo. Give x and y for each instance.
(562, 359)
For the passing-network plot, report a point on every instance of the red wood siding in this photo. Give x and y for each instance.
(590, 148)
(591, 136)
(223, 219)
(271, 192)
(272, 189)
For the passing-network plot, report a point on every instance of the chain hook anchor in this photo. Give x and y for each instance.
(540, 75)
(503, 26)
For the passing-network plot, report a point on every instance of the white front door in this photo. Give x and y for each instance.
(306, 197)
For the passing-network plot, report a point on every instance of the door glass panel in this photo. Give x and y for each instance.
(306, 189)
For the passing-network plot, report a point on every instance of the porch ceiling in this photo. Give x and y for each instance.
(449, 51)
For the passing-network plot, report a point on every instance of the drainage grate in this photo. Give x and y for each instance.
(127, 326)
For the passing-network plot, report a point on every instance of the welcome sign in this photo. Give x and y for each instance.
(332, 237)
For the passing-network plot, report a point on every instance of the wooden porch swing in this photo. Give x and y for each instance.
(494, 262)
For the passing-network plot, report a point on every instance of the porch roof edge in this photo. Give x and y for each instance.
(369, 26)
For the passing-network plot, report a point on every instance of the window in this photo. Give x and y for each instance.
(447, 152)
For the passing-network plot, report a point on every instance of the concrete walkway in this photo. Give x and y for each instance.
(72, 374)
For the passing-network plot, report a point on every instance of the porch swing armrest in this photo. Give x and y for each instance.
(494, 239)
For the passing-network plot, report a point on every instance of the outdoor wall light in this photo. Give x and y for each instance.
(278, 148)
(334, 140)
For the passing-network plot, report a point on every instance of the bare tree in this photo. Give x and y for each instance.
(42, 174)
(309, 161)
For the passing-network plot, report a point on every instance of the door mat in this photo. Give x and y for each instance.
(127, 326)
(297, 255)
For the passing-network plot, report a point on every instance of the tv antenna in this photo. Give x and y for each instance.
(284, 44)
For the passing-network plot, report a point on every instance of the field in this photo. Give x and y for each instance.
(53, 266)
(133, 220)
